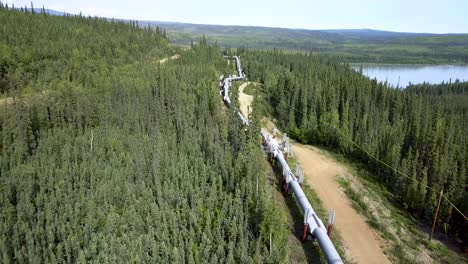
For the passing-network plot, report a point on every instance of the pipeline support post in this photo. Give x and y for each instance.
(304, 234)
(331, 221)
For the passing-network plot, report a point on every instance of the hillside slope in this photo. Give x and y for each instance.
(411, 141)
(349, 45)
(110, 155)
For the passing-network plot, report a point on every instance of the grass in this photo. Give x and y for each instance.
(297, 252)
(356, 197)
(408, 242)
(250, 89)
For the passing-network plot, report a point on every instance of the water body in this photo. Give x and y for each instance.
(402, 75)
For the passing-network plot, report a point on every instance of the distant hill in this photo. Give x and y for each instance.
(50, 12)
(331, 35)
(269, 33)
(40, 10)
(350, 45)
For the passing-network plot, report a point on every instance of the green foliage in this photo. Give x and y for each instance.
(395, 225)
(421, 131)
(356, 46)
(356, 197)
(106, 156)
(250, 89)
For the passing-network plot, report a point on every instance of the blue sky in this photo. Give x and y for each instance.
(433, 16)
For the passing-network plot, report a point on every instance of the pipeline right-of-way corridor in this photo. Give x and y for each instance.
(313, 226)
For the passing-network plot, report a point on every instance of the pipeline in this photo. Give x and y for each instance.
(226, 84)
(313, 226)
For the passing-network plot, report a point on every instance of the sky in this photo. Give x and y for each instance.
(429, 16)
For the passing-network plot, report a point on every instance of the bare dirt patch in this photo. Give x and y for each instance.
(245, 100)
(362, 244)
(173, 57)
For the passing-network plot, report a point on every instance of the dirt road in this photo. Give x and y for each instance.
(245, 100)
(362, 244)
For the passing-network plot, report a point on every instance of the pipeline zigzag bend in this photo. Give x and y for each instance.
(313, 226)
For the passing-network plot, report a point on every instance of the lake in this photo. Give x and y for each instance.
(402, 75)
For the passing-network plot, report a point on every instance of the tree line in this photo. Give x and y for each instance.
(106, 156)
(420, 131)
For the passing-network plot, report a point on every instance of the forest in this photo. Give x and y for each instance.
(414, 140)
(109, 156)
(349, 45)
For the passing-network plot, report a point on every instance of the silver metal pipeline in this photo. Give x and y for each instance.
(312, 223)
(227, 82)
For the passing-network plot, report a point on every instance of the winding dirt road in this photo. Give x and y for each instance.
(362, 244)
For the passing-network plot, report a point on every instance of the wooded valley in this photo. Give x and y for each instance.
(110, 152)
(108, 156)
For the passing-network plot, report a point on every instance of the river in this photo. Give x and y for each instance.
(402, 75)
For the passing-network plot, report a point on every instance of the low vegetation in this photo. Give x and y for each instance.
(251, 89)
(407, 243)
